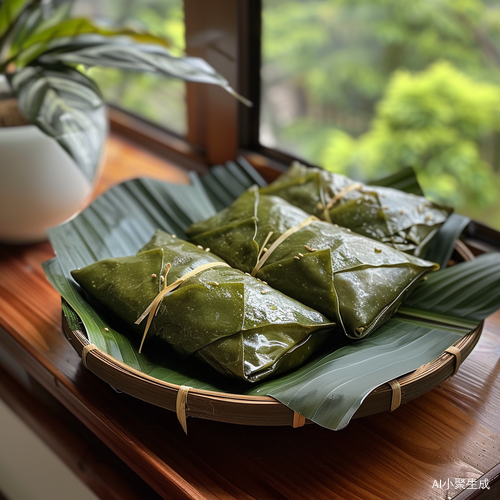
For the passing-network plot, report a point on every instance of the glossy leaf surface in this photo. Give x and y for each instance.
(353, 280)
(404, 220)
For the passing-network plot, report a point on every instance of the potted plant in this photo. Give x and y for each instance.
(52, 116)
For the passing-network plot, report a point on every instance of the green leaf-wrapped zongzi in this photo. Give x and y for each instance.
(405, 221)
(200, 306)
(353, 280)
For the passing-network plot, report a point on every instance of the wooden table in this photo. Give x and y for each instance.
(127, 449)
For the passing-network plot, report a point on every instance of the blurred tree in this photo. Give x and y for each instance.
(433, 121)
(336, 56)
(373, 95)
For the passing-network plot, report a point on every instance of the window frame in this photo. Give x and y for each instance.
(226, 34)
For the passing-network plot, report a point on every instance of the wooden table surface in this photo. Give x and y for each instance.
(423, 450)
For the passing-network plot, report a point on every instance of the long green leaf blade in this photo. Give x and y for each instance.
(28, 20)
(120, 53)
(470, 290)
(330, 390)
(49, 35)
(39, 17)
(404, 180)
(441, 248)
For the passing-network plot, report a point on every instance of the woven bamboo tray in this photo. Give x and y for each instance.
(262, 410)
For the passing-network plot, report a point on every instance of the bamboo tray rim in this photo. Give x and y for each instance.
(263, 410)
(244, 409)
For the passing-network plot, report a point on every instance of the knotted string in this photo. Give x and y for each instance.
(278, 242)
(152, 309)
(339, 196)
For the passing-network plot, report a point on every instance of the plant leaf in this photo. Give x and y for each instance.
(404, 180)
(51, 34)
(26, 24)
(123, 54)
(9, 12)
(39, 17)
(477, 281)
(67, 106)
(329, 389)
(441, 247)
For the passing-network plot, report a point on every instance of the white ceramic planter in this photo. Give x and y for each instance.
(40, 185)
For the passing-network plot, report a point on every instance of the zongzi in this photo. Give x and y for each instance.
(353, 280)
(405, 221)
(200, 306)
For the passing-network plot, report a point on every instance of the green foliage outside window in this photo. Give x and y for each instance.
(434, 121)
(366, 87)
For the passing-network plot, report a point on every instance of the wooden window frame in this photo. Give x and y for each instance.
(226, 34)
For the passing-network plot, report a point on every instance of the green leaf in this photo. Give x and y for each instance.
(53, 13)
(441, 247)
(469, 290)
(28, 21)
(39, 17)
(97, 50)
(329, 389)
(51, 34)
(9, 12)
(404, 180)
(67, 106)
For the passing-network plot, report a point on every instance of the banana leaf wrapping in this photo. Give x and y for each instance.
(405, 221)
(234, 322)
(353, 280)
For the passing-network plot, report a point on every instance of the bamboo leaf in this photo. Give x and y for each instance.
(67, 106)
(329, 389)
(404, 180)
(441, 248)
(469, 290)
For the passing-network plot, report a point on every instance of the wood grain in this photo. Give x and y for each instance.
(450, 432)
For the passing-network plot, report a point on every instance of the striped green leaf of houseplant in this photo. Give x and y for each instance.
(9, 13)
(327, 390)
(67, 106)
(40, 39)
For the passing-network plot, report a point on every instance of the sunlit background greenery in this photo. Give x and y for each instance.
(361, 87)
(366, 87)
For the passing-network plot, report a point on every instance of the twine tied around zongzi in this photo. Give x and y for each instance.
(339, 196)
(261, 258)
(152, 309)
